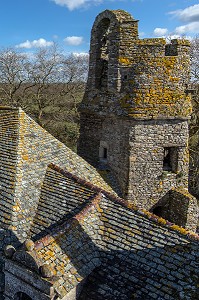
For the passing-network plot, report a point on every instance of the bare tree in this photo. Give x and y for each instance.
(43, 79)
(48, 85)
(13, 74)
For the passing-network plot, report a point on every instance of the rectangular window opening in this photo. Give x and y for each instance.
(170, 160)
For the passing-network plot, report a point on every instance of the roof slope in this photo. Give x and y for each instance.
(26, 151)
(127, 253)
(61, 198)
(144, 259)
(8, 160)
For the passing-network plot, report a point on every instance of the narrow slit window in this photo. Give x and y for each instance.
(105, 153)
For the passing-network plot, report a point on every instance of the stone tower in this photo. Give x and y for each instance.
(135, 111)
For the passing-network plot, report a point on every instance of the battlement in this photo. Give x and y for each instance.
(142, 78)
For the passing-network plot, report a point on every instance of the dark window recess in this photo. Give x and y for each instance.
(158, 211)
(125, 76)
(170, 161)
(105, 153)
(167, 160)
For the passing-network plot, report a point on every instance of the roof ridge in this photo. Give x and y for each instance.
(59, 229)
(145, 213)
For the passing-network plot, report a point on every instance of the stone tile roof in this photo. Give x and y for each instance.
(126, 252)
(70, 251)
(8, 160)
(26, 151)
(61, 198)
(145, 260)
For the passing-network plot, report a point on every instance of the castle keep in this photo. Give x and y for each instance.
(65, 234)
(134, 116)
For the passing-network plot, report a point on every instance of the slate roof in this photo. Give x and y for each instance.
(8, 160)
(26, 151)
(61, 197)
(124, 253)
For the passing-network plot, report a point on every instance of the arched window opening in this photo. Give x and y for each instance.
(102, 54)
(22, 296)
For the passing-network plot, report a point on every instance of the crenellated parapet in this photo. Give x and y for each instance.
(140, 78)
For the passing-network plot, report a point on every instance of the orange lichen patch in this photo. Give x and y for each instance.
(132, 206)
(152, 102)
(125, 61)
(25, 157)
(169, 62)
(162, 221)
(179, 229)
(183, 192)
(183, 42)
(151, 41)
(16, 208)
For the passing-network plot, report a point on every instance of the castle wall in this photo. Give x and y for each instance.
(19, 280)
(179, 207)
(148, 180)
(90, 136)
(113, 133)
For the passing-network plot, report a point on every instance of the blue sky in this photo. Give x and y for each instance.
(28, 24)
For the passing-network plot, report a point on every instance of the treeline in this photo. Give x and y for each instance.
(49, 86)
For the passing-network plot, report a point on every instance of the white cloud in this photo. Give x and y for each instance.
(70, 4)
(74, 40)
(189, 14)
(73, 4)
(192, 27)
(35, 44)
(160, 31)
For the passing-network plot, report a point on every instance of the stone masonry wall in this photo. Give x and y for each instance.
(89, 140)
(143, 107)
(115, 134)
(148, 181)
(144, 78)
(179, 207)
(30, 283)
